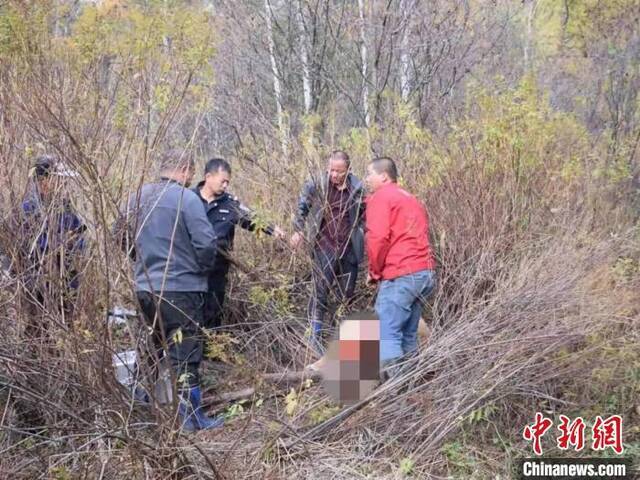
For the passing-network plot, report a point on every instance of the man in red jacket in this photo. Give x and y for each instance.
(400, 259)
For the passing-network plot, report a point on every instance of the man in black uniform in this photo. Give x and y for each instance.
(224, 212)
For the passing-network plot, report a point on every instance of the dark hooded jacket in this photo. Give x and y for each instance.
(310, 211)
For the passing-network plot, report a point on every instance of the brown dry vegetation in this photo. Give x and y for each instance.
(528, 182)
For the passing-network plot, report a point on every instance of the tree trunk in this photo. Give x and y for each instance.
(405, 59)
(528, 41)
(277, 87)
(304, 53)
(364, 69)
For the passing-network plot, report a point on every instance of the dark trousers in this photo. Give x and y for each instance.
(331, 274)
(176, 319)
(213, 308)
(214, 299)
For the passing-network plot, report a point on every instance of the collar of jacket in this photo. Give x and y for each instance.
(222, 198)
(383, 188)
(171, 180)
(197, 189)
(33, 202)
(352, 180)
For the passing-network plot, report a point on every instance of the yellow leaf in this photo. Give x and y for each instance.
(291, 402)
(183, 379)
(177, 337)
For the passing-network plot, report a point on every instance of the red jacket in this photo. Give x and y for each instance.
(397, 234)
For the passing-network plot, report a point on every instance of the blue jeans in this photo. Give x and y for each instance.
(399, 308)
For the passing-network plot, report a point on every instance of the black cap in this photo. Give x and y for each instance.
(44, 165)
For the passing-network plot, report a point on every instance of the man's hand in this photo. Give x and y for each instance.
(371, 281)
(278, 233)
(296, 240)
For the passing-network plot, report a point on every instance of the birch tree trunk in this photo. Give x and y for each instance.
(405, 58)
(528, 41)
(304, 53)
(364, 69)
(277, 87)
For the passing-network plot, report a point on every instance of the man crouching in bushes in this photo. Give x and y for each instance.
(400, 259)
(174, 248)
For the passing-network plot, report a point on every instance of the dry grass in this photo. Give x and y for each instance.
(535, 310)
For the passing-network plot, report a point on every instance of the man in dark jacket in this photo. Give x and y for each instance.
(333, 208)
(175, 247)
(224, 212)
(51, 239)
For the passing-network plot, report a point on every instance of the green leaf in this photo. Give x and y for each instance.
(406, 466)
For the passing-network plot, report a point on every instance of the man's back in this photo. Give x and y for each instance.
(175, 243)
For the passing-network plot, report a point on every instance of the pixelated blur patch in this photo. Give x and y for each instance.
(349, 350)
(351, 370)
(370, 359)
